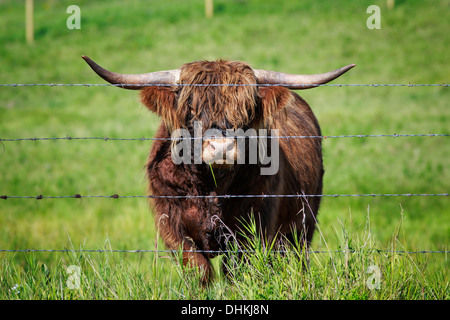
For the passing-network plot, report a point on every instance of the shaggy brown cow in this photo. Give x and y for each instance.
(229, 95)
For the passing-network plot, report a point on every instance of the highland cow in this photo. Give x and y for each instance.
(226, 96)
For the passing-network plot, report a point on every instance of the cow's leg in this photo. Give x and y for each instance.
(175, 240)
(193, 258)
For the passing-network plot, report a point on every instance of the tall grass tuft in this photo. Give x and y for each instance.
(357, 270)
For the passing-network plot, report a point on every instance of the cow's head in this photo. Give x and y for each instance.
(216, 96)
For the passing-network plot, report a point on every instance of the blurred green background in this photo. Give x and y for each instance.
(134, 36)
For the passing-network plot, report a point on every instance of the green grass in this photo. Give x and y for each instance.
(261, 274)
(288, 36)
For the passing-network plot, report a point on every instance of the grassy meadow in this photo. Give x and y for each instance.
(134, 36)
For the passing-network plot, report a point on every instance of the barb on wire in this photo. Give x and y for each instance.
(395, 135)
(227, 196)
(224, 85)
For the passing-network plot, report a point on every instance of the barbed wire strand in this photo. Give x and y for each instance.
(395, 135)
(223, 85)
(211, 251)
(226, 196)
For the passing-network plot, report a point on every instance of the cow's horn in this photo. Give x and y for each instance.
(298, 81)
(135, 81)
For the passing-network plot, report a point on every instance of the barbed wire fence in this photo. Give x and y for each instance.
(339, 85)
(226, 196)
(211, 251)
(229, 196)
(395, 135)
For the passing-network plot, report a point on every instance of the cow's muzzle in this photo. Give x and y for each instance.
(219, 151)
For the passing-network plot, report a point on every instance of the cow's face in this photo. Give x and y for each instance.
(218, 100)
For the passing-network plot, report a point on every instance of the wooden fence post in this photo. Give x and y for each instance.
(209, 8)
(29, 28)
(390, 4)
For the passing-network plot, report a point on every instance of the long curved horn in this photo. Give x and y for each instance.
(298, 81)
(135, 81)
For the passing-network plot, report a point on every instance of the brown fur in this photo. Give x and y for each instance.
(195, 223)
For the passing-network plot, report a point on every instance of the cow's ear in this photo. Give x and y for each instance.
(162, 101)
(158, 99)
(273, 100)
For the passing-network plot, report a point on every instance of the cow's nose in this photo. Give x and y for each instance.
(219, 150)
(220, 145)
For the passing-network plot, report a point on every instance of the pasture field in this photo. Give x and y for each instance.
(134, 36)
